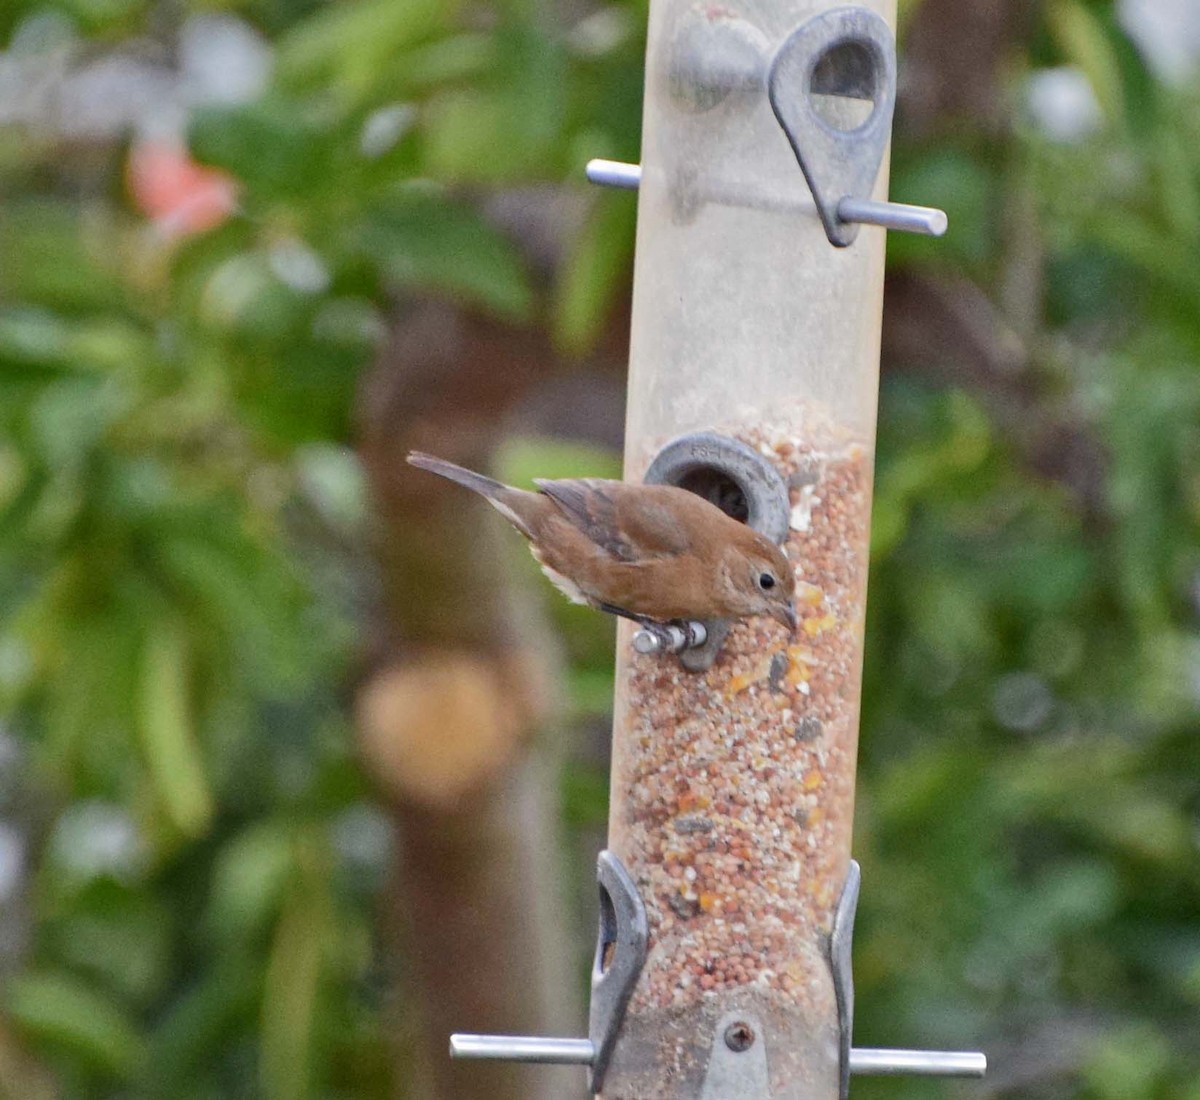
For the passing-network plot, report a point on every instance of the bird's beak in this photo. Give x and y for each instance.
(786, 615)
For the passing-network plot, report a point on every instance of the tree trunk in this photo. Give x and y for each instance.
(462, 678)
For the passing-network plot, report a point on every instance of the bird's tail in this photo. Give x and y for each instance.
(477, 483)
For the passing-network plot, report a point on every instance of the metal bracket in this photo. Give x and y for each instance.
(737, 1067)
(832, 86)
(818, 83)
(620, 954)
(841, 940)
(864, 1061)
(737, 479)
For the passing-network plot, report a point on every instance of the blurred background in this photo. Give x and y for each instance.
(302, 765)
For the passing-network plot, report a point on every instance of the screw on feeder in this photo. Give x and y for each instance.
(739, 1036)
(737, 1066)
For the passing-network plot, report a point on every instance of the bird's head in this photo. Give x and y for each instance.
(758, 579)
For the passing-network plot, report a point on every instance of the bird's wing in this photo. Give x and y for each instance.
(590, 506)
(603, 511)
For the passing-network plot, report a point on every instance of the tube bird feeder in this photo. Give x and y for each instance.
(728, 891)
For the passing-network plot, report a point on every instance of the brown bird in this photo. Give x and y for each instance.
(653, 553)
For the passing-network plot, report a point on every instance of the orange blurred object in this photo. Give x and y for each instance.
(180, 196)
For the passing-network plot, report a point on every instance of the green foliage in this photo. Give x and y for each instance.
(177, 499)
(61, 1011)
(1029, 776)
(419, 241)
(591, 273)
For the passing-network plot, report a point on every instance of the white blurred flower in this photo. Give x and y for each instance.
(385, 127)
(97, 838)
(1062, 104)
(333, 481)
(1022, 702)
(1167, 32)
(298, 266)
(362, 837)
(222, 59)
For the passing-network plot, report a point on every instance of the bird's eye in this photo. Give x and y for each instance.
(766, 582)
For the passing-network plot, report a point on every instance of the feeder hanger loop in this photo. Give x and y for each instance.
(818, 82)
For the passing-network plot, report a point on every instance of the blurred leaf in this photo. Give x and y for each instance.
(165, 721)
(69, 419)
(520, 459)
(591, 693)
(506, 129)
(585, 796)
(423, 241)
(270, 146)
(34, 336)
(104, 15)
(249, 881)
(290, 996)
(243, 296)
(947, 178)
(1082, 38)
(205, 1018)
(55, 258)
(593, 273)
(248, 598)
(456, 58)
(1127, 1065)
(348, 48)
(120, 939)
(965, 444)
(58, 1010)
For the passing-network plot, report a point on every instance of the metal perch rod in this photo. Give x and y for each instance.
(523, 1048)
(891, 215)
(864, 1061)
